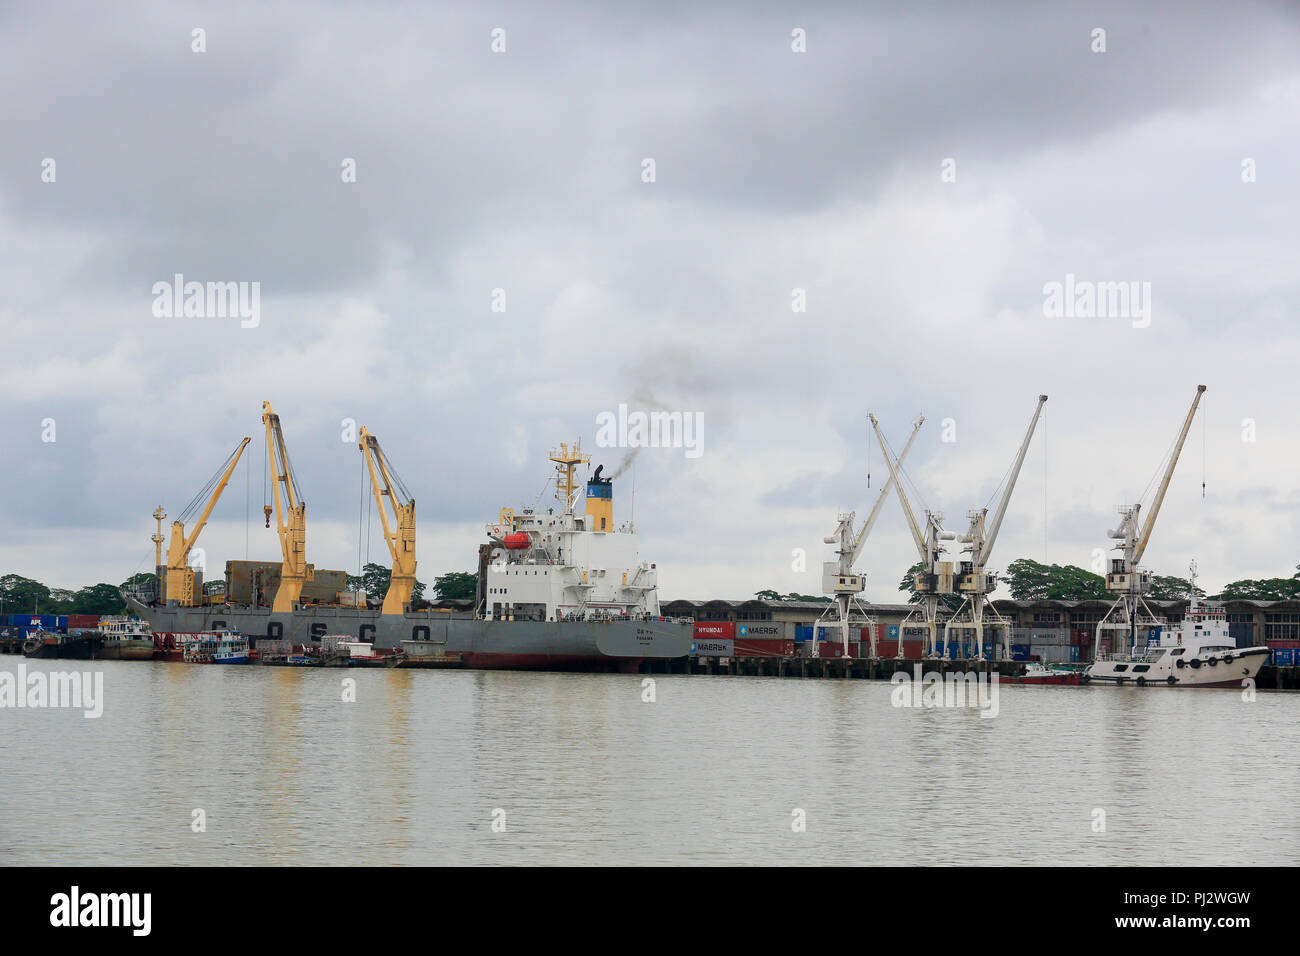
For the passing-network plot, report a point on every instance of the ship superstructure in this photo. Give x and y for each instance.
(561, 565)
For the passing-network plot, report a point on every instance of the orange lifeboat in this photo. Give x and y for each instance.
(517, 541)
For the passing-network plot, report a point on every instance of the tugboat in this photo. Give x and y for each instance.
(49, 645)
(1196, 652)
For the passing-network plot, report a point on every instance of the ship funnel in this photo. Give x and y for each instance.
(600, 502)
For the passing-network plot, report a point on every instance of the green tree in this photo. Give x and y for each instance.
(767, 594)
(1264, 589)
(97, 599)
(374, 581)
(456, 585)
(19, 595)
(1165, 588)
(1029, 580)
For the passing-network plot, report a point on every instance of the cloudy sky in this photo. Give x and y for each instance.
(920, 174)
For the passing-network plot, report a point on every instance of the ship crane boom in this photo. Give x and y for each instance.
(290, 516)
(400, 534)
(179, 585)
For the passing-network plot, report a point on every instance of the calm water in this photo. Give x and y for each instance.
(586, 772)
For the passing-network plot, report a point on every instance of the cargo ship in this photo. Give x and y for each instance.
(559, 589)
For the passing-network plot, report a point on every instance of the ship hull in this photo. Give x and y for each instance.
(613, 646)
(126, 650)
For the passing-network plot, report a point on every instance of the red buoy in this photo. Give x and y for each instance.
(517, 541)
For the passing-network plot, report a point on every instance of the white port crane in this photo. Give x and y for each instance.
(838, 577)
(935, 577)
(1125, 578)
(973, 581)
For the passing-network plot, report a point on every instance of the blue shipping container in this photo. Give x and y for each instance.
(1283, 656)
(1074, 653)
(803, 632)
(1020, 652)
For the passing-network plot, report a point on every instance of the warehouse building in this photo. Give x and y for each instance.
(1250, 622)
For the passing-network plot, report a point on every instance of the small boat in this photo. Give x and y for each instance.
(1036, 673)
(49, 645)
(425, 654)
(360, 654)
(126, 639)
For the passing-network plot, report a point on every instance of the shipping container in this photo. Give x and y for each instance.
(711, 647)
(887, 650)
(1058, 636)
(83, 620)
(803, 632)
(1020, 652)
(715, 630)
(765, 630)
(1283, 656)
(762, 648)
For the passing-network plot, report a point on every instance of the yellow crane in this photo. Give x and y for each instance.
(399, 536)
(290, 517)
(179, 584)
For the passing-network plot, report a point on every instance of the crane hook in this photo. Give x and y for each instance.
(267, 509)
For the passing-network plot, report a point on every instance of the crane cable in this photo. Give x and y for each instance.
(205, 492)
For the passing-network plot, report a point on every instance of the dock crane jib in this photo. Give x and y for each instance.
(1125, 578)
(179, 581)
(838, 577)
(935, 577)
(974, 581)
(400, 535)
(290, 516)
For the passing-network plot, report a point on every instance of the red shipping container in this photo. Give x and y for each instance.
(83, 620)
(1282, 642)
(715, 630)
(758, 647)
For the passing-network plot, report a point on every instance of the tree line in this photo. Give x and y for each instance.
(23, 595)
(1029, 580)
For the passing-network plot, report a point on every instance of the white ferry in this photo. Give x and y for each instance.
(1196, 652)
(223, 647)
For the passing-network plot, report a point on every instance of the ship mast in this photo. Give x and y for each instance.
(566, 459)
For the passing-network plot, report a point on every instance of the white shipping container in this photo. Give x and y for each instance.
(1037, 637)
